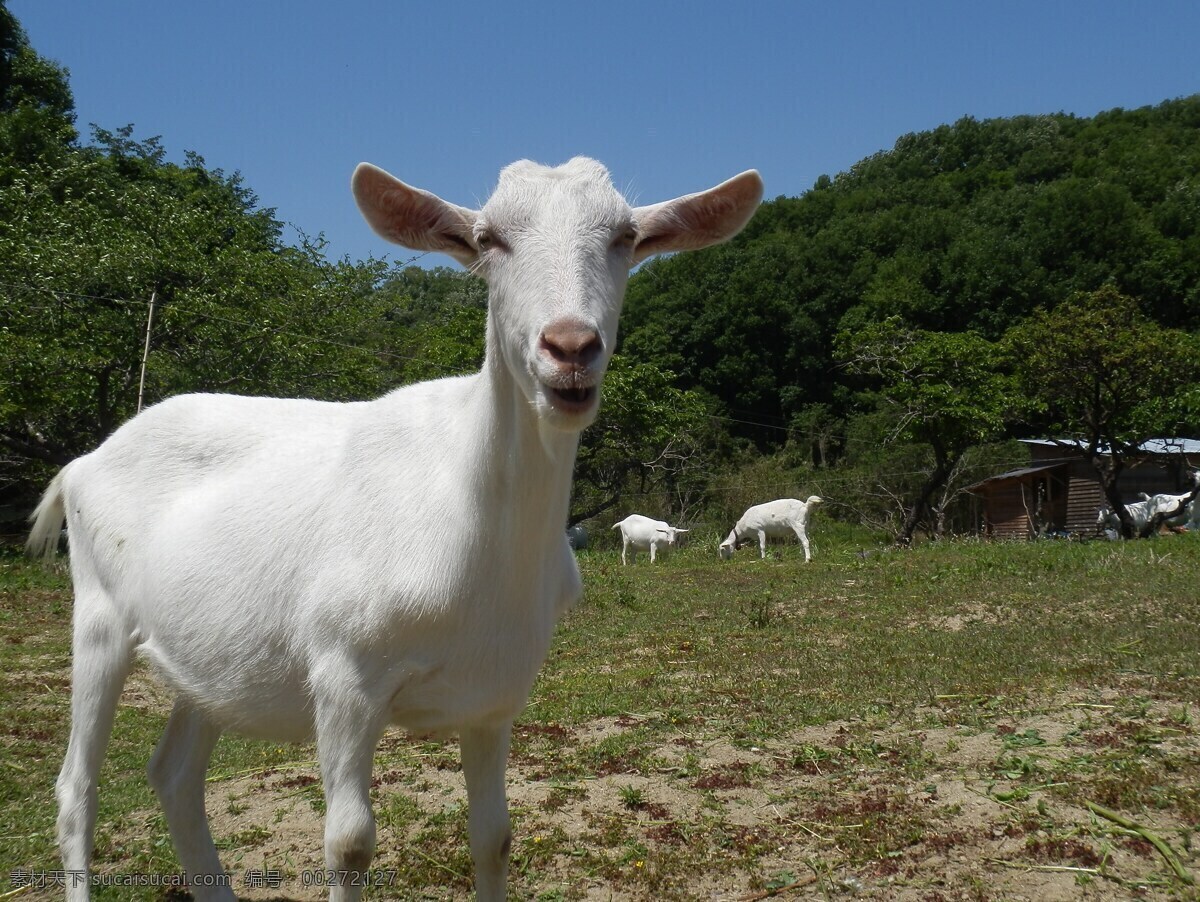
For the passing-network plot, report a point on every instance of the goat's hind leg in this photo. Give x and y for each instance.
(177, 772)
(102, 651)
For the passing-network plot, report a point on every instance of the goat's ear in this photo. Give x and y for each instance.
(694, 221)
(412, 217)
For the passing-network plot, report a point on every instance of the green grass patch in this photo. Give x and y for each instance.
(659, 662)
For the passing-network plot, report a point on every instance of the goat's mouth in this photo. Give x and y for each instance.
(574, 400)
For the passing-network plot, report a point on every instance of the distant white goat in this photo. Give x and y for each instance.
(642, 534)
(1177, 508)
(1141, 512)
(260, 552)
(772, 520)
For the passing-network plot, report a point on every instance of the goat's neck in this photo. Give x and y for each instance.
(524, 466)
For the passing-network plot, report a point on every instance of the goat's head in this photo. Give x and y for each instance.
(555, 246)
(672, 534)
(728, 547)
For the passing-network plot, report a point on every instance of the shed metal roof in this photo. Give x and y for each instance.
(1017, 474)
(1150, 446)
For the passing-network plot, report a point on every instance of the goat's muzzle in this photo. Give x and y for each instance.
(572, 349)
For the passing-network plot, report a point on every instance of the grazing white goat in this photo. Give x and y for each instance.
(771, 520)
(642, 534)
(259, 551)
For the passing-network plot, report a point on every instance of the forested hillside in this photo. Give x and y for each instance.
(876, 339)
(969, 227)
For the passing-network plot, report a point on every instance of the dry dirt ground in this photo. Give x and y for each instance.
(967, 799)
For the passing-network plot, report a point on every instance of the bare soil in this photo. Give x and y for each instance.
(926, 807)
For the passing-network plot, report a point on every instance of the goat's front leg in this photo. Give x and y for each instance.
(484, 759)
(802, 535)
(348, 727)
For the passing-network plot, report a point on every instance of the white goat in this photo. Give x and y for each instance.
(259, 552)
(642, 534)
(1139, 513)
(771, 520)
(1179, 510)
(1176, 508)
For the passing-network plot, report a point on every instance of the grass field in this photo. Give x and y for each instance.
(957, 721)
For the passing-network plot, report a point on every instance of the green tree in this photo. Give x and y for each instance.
(37, 110)
(967, 227)
(731, 322)
(650, 438)
(945, 391)
(87, 242)
(1101, 375)
(435, 322)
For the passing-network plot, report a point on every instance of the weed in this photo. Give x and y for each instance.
(632, 797)
(759, 609)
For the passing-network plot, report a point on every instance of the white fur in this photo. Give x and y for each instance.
(1182, 510)
(643, 534)
(775, 519)
(1139, 513)
(270, 557)
(1177, 508)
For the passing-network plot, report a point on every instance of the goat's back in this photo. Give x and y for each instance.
(774, 515)
(641, 530)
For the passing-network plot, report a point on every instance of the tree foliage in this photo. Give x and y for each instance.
(948, 392)
(1100, 374)
(970, 226)
(650, 439)
(37, 109)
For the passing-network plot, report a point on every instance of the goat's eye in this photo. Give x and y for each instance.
(485, 241)
(626, 239)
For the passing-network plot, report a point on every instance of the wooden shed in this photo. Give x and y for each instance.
(1059, 492)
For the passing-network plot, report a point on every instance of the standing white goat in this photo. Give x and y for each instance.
(258, 551)
(774, 519)
(641, 534)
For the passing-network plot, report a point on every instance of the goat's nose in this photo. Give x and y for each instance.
(571, 343)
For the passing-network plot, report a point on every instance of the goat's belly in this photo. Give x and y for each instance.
(481, 682)
(240, 693)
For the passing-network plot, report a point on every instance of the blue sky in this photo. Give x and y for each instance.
(672, 97)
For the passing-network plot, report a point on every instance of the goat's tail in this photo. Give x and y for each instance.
(47, 519)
